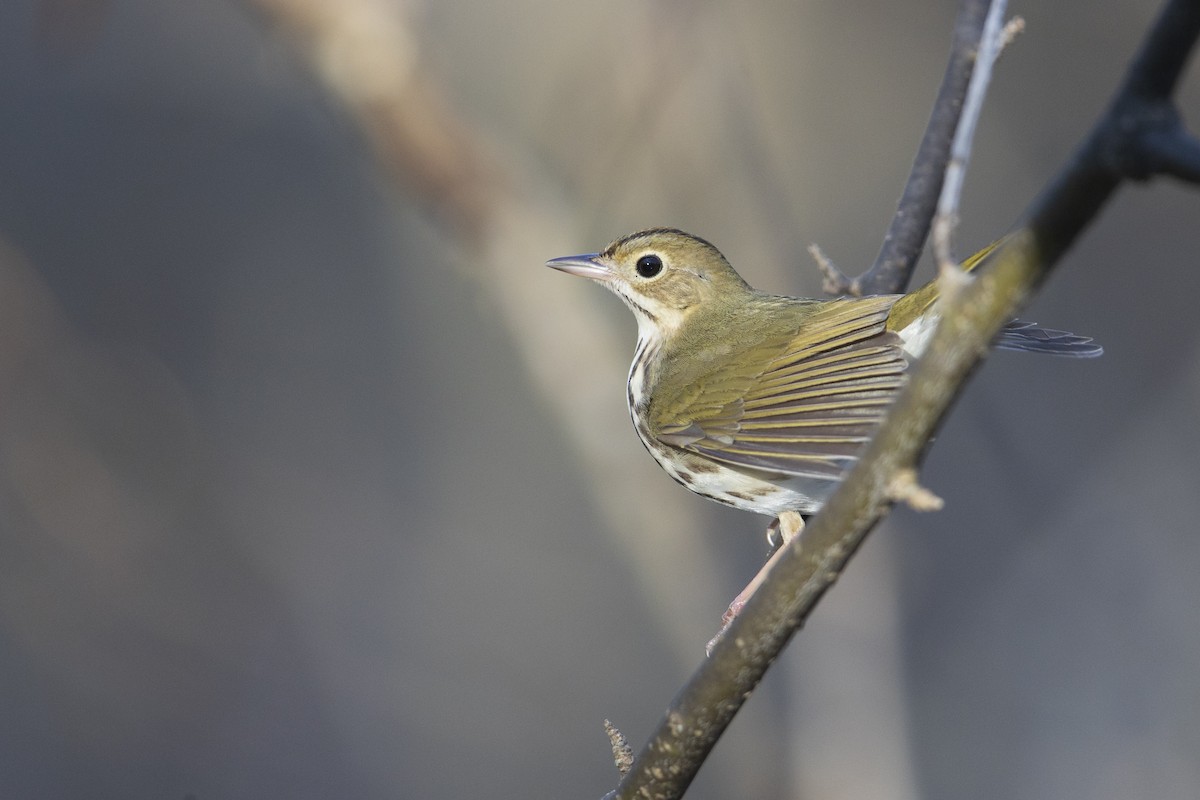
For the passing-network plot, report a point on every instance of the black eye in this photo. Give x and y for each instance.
(649, 266)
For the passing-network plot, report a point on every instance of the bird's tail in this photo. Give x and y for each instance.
(1021, 335)
(1016, 335)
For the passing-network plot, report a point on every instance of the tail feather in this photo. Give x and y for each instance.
(1016, 335)
(1027, 336)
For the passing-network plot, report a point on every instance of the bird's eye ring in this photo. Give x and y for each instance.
(649, 266)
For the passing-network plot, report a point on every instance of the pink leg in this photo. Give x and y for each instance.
(790, 525)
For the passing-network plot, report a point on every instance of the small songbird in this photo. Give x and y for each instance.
(762, 401)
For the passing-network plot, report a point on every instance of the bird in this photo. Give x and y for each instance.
(762, 401)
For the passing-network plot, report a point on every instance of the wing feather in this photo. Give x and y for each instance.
(810, 408)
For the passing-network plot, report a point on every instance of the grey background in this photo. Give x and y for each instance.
(288, 505)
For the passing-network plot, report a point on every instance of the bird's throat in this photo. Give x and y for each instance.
(638, 394)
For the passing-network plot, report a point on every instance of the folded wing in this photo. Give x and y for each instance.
(808, 410)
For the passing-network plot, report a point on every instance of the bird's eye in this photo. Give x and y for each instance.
(649, 266)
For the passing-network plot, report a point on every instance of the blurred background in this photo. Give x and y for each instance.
(315, 483)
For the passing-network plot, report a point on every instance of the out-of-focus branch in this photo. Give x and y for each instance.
(367, 53)
(1125, 143)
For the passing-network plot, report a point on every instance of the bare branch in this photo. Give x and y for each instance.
(1127, 134)
(902, 243)
(946, 218)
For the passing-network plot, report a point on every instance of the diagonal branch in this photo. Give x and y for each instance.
(1125, 143)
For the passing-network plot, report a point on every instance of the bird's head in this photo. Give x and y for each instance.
(665, 276)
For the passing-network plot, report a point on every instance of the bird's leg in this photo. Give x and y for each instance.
(788, 526)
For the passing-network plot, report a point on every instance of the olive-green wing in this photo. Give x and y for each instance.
(808, 409)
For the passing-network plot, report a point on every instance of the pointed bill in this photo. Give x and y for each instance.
(587, 265)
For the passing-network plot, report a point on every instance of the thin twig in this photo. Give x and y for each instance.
(905, 488)
(946, 218)
(834, 281)
(1012, 29)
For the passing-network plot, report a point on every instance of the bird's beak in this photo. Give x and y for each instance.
(587, 265)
